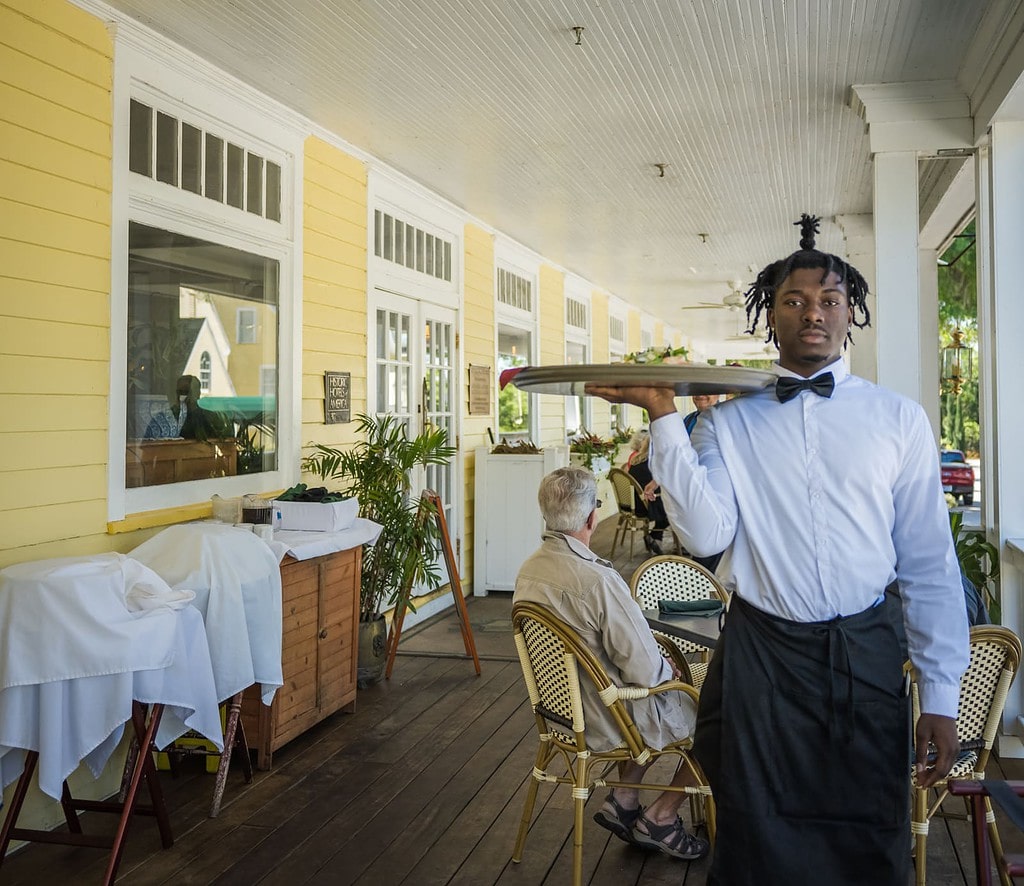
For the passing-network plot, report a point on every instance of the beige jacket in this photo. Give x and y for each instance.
(586, 592)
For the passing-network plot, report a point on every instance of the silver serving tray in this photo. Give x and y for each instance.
(571, 381)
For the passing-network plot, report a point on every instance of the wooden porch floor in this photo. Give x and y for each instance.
(423, 784)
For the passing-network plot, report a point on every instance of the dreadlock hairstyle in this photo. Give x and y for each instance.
(761, 295)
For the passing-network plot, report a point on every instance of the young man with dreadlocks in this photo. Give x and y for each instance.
(825, 489)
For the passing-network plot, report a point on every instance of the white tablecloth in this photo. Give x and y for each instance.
(73, 706)
(237, 584)
(304, 545)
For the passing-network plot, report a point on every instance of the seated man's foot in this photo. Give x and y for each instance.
(671, 838)
(652, 544)
(617, 819)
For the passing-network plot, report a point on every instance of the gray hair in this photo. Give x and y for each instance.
(566, 497)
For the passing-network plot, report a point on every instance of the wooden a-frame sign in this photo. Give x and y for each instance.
(431, 507)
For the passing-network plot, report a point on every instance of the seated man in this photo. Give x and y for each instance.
(585, 592)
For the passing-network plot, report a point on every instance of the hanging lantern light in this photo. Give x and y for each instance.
(957, 362)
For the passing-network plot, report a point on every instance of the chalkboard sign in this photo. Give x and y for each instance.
(337, 397)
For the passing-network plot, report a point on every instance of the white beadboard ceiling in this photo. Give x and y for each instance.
(491, 104)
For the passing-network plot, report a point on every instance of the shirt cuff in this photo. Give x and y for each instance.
(668, 424)
(939, 698)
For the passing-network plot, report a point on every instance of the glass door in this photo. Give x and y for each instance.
(415, 381)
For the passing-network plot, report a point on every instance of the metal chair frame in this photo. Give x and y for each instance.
(554, 662)
(995, 659)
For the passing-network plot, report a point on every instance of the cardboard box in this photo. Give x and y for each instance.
(332, 516)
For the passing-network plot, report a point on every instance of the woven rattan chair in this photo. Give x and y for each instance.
(672, 577)
(626, 490)
(555, 663)
(995, 658)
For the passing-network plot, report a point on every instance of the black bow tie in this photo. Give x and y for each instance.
(786, 388)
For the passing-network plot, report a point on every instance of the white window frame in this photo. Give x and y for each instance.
(578, 291)
(240, 324)
(152, 70)
(512, 257)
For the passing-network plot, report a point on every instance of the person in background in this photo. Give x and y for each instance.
(700, 403)
(184, 417)
(635, 442)
(648, 503)
(590, 596)
(825, 490)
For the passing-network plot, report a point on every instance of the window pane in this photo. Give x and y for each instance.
(191, 154)
(254, 185)
(214, 168)
(410, 246)
(389, 246)
(197, 406)
(166, 149)
(273, 191)
(140, 139)
(236, 175)
(513, 404)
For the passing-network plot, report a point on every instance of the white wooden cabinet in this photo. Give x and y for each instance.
(508, 525)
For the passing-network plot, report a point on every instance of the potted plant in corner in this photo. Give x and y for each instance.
(377, 470)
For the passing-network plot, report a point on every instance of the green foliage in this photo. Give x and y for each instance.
(592, 447)
(979, 561)
(622, 436)
(958, 309)
(377, 471)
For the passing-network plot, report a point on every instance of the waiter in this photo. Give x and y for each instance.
(825, 489)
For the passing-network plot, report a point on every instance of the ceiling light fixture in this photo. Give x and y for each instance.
(578, 31)
(703, 237)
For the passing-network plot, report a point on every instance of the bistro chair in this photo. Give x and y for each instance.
(627, 489)
(673, 577)
(995, 658)
(556, 664)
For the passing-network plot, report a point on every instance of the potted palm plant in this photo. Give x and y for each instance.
(377, 470)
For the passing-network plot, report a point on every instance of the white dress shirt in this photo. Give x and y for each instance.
(820, 503)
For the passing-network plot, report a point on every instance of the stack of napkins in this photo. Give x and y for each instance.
(697, 608)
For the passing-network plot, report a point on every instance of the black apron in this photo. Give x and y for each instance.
(803, 730)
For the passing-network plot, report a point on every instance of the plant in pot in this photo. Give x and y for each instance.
(377, 470)
(979, 562)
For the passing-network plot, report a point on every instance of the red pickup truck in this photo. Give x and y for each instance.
(957, 475)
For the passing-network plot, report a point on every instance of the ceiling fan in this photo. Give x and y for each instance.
(734, 301)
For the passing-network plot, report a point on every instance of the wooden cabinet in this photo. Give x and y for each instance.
(320, 597)
(154, 462)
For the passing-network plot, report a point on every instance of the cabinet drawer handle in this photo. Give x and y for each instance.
(323, 634)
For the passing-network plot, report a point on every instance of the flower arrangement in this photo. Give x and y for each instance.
(622, 436)
(595, 452)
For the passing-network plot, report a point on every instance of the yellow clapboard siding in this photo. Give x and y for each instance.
(32, 413)
(332, 271)
(313, 381)
(333, 317)
(50, 265)
(334, 341)
(53, 449)
(323, 280)
(319, 150)
(345, 205)
(43, 301)
(80, 44)
(43, 338)
(50, 119)
(30, 149)
(330, 247)
(339, 181)
(43, 227)
(35, 525)
(43, 77)
(334, 227)
(54, 190)
(52, 486)
(55, 375)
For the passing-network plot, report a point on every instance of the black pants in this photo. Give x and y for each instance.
(803, 731)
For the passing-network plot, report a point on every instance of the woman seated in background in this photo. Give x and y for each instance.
(649, 504)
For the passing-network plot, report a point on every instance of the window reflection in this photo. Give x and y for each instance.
(202, 359)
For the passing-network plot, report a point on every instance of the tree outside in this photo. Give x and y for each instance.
(958, 310)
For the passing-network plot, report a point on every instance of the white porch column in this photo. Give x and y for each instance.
(859, 235)
(1003, 379)
(897, 274)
